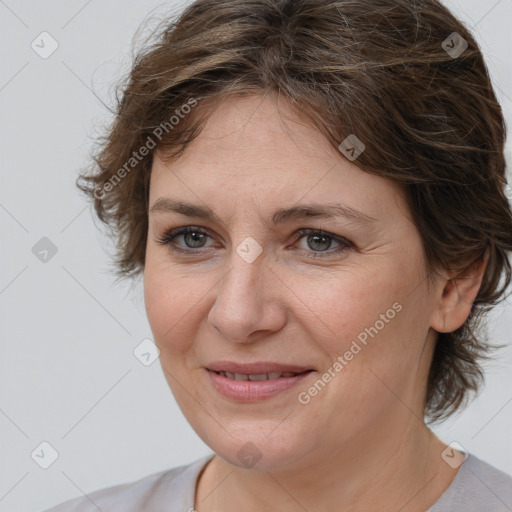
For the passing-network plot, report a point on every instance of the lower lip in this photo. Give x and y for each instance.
(254, 390)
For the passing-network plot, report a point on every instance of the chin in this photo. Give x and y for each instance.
(252, 447)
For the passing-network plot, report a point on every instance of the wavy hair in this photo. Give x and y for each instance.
(396, 73)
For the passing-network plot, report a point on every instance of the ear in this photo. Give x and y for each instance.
(455, 296)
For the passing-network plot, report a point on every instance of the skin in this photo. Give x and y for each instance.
(359, 442)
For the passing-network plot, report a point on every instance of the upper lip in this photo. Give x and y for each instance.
(255, 368)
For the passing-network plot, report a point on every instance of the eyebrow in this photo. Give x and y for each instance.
(299, 212)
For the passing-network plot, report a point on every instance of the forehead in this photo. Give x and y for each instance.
(255, 150)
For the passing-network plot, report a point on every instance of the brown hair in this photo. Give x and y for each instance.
(384, 70)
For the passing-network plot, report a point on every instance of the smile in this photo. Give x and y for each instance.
(257, 376)
(254, 387)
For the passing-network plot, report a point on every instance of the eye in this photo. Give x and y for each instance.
(319, 243)
(193, 237)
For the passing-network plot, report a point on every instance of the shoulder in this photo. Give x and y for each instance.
(156, 492)
(477, 486)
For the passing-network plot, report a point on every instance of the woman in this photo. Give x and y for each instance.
(315, 194)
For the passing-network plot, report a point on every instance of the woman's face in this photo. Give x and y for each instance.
(349, 305)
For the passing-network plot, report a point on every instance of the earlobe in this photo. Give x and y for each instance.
(455, 296)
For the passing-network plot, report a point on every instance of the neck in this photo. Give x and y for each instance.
(403, 473)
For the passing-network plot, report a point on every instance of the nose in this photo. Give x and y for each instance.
(249, 304)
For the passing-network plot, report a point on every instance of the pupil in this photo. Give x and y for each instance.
(316, 238)
(196, 238)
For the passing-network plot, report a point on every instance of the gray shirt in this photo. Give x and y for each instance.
(477, 487)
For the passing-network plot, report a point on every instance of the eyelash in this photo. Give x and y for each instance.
(168, 239)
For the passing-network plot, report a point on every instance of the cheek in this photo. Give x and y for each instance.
(370, 318)
(347, 306)
(380, 338)
(173, 307)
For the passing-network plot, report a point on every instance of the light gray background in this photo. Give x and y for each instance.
(68, 373)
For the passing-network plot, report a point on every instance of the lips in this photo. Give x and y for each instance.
(257, 376)
(255, 368)
(255, 381)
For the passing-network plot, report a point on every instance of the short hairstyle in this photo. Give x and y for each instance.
(404, 76)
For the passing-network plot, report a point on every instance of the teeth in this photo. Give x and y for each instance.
(256, 376)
